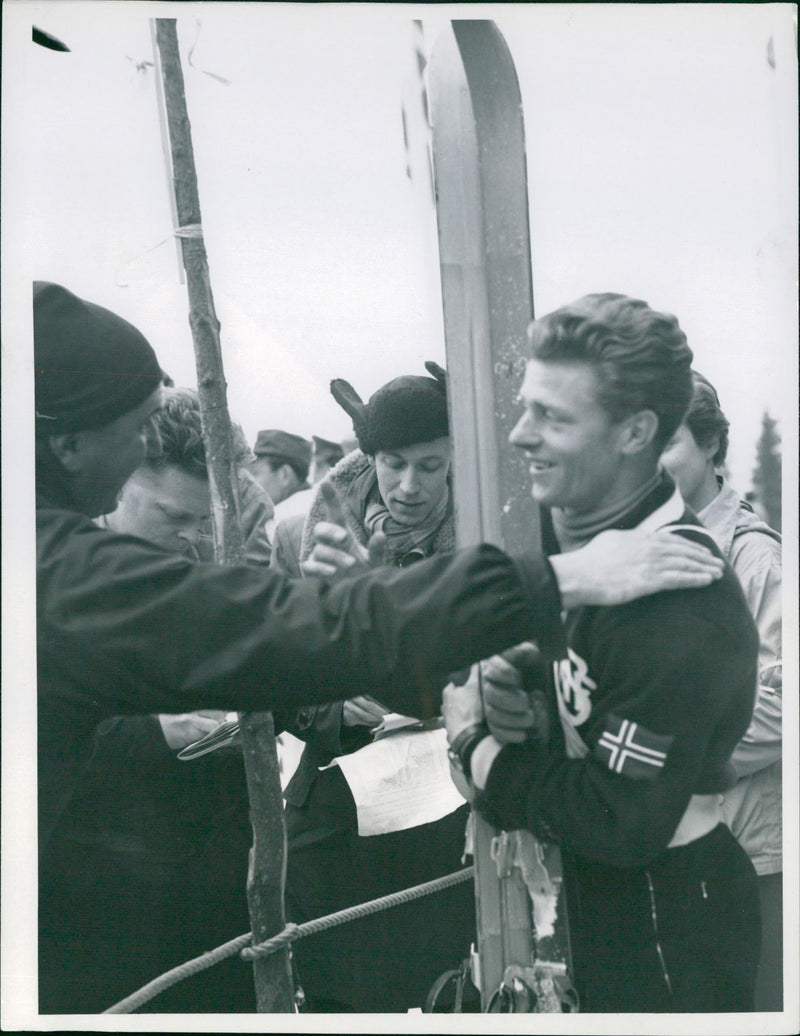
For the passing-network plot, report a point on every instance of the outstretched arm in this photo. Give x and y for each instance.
(615, 568)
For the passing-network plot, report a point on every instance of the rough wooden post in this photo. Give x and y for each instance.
(265, 882)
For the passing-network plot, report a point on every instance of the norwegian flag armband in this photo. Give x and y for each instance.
(632, 750)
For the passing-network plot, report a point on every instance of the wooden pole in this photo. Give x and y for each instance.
(266, 876)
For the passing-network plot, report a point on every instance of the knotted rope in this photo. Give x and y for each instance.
(242, 943)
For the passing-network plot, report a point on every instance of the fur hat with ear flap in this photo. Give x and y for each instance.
(405, 411)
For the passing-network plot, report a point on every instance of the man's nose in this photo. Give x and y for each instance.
(409, 483)
(525, 433)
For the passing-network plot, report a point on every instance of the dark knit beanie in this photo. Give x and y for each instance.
(405, 411)
(91, 366)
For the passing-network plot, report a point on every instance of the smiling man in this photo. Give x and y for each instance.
(646, 701)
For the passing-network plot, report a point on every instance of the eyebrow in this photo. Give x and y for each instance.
(179, 513)
(543, 405)
(420, 460)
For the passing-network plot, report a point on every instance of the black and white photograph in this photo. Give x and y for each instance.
(399, 431)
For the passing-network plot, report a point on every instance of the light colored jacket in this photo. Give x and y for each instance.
(753, 807)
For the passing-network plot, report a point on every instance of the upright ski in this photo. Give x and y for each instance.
(522, 963)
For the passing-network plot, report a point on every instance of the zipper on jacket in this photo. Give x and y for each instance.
(654, 915)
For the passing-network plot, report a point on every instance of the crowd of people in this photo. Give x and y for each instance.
(650, 751)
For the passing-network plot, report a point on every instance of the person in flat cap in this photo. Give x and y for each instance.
(281, 463)
(126, 627)
(323, 457)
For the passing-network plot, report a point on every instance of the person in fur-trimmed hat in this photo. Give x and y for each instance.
(397, 483)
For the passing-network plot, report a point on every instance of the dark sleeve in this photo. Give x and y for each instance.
(684, 684)
(137, 629)
(129, 781)
(135, 742)
(321, 726)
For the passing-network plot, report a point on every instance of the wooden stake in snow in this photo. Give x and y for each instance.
(265, 882)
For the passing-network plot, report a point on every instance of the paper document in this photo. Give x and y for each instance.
(392, 722)
(401, 781)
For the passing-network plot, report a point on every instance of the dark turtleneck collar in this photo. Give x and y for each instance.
(562, 533)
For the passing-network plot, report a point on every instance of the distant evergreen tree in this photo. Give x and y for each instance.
(767, 472)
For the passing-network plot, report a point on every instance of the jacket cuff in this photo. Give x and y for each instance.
(321, 726)
(504, 800)
(543, 596)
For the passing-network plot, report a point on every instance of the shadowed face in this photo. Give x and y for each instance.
(167, 506)
(413, 480)
(278, 483)
(105, 458)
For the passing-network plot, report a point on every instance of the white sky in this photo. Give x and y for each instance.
(661, 163)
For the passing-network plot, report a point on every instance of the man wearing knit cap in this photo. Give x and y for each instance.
(98, 383)
(126, 627)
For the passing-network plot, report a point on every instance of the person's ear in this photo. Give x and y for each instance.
(68, 450)
(638, 432)
(710, 449)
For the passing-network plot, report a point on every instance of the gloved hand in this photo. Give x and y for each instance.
(510, 713)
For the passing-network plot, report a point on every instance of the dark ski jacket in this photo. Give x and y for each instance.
(647, 702)
(125, 627)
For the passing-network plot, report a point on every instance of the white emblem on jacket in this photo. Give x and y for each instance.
(574, 687)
